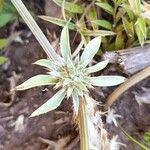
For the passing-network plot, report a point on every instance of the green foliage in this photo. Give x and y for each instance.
(2, 60)
(124, 22)
(147, 137)
(3, 43)
(7, 12)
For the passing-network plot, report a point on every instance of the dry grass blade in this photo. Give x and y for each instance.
(126, 85)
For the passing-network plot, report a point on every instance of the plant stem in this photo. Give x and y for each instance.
(83, 125)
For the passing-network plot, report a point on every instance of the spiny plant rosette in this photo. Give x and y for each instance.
(71, 76)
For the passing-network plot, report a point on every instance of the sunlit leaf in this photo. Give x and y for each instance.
(3, 43)
(99, 66)
(59, 22)
(51, 104)
(135, 6)
(140, 28)
(103, 23)
(38, 80)
(71, 7)
(65, 43)
(90, 50)
(108, 8)
(106, 80)
(2, 60)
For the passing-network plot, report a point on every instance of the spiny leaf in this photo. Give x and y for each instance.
(65, 44)
(106, 80)
(90, 50)
(71, 7)
(51, 104)
(59, 22)
(103, 23)
(2, 60)
(3, 43)
(97, 67)
(45, 63)
(38, 80)
(108, 8)
(75, 99)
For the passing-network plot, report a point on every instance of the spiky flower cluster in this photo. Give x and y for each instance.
(71, 76)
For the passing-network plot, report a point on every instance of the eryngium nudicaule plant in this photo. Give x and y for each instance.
(71, 76)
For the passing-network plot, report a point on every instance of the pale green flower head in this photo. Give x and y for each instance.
(72, 76)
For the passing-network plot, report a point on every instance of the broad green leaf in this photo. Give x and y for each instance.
(90, 50)
(106, 80)
(59, 22)
(1, 4)
(103, 23)
(108, 8)
(38, 80)
(99, 66)
(5, 18)
(65, 44)
(3, 43)
(147, 137)
(97, 33)
(45, 63)
(75, 99)
(71, 7)
(2, 60)
(51, 104)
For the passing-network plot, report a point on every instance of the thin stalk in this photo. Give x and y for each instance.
(25, 14)
(83, 125)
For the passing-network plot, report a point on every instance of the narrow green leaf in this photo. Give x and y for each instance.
(97, 33)
(51, 104)
(65, 44)
(92, 15)
(128, 26)
(106, 80)
(5, 18)
(90, 50)
(75, 99)
(120, 41)
(3, 43)
(59, 22)
(38, 80)
(140, 28)
(103, 23)
(71, 7)
(99, 66)
(108, 8)
(2, 60)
